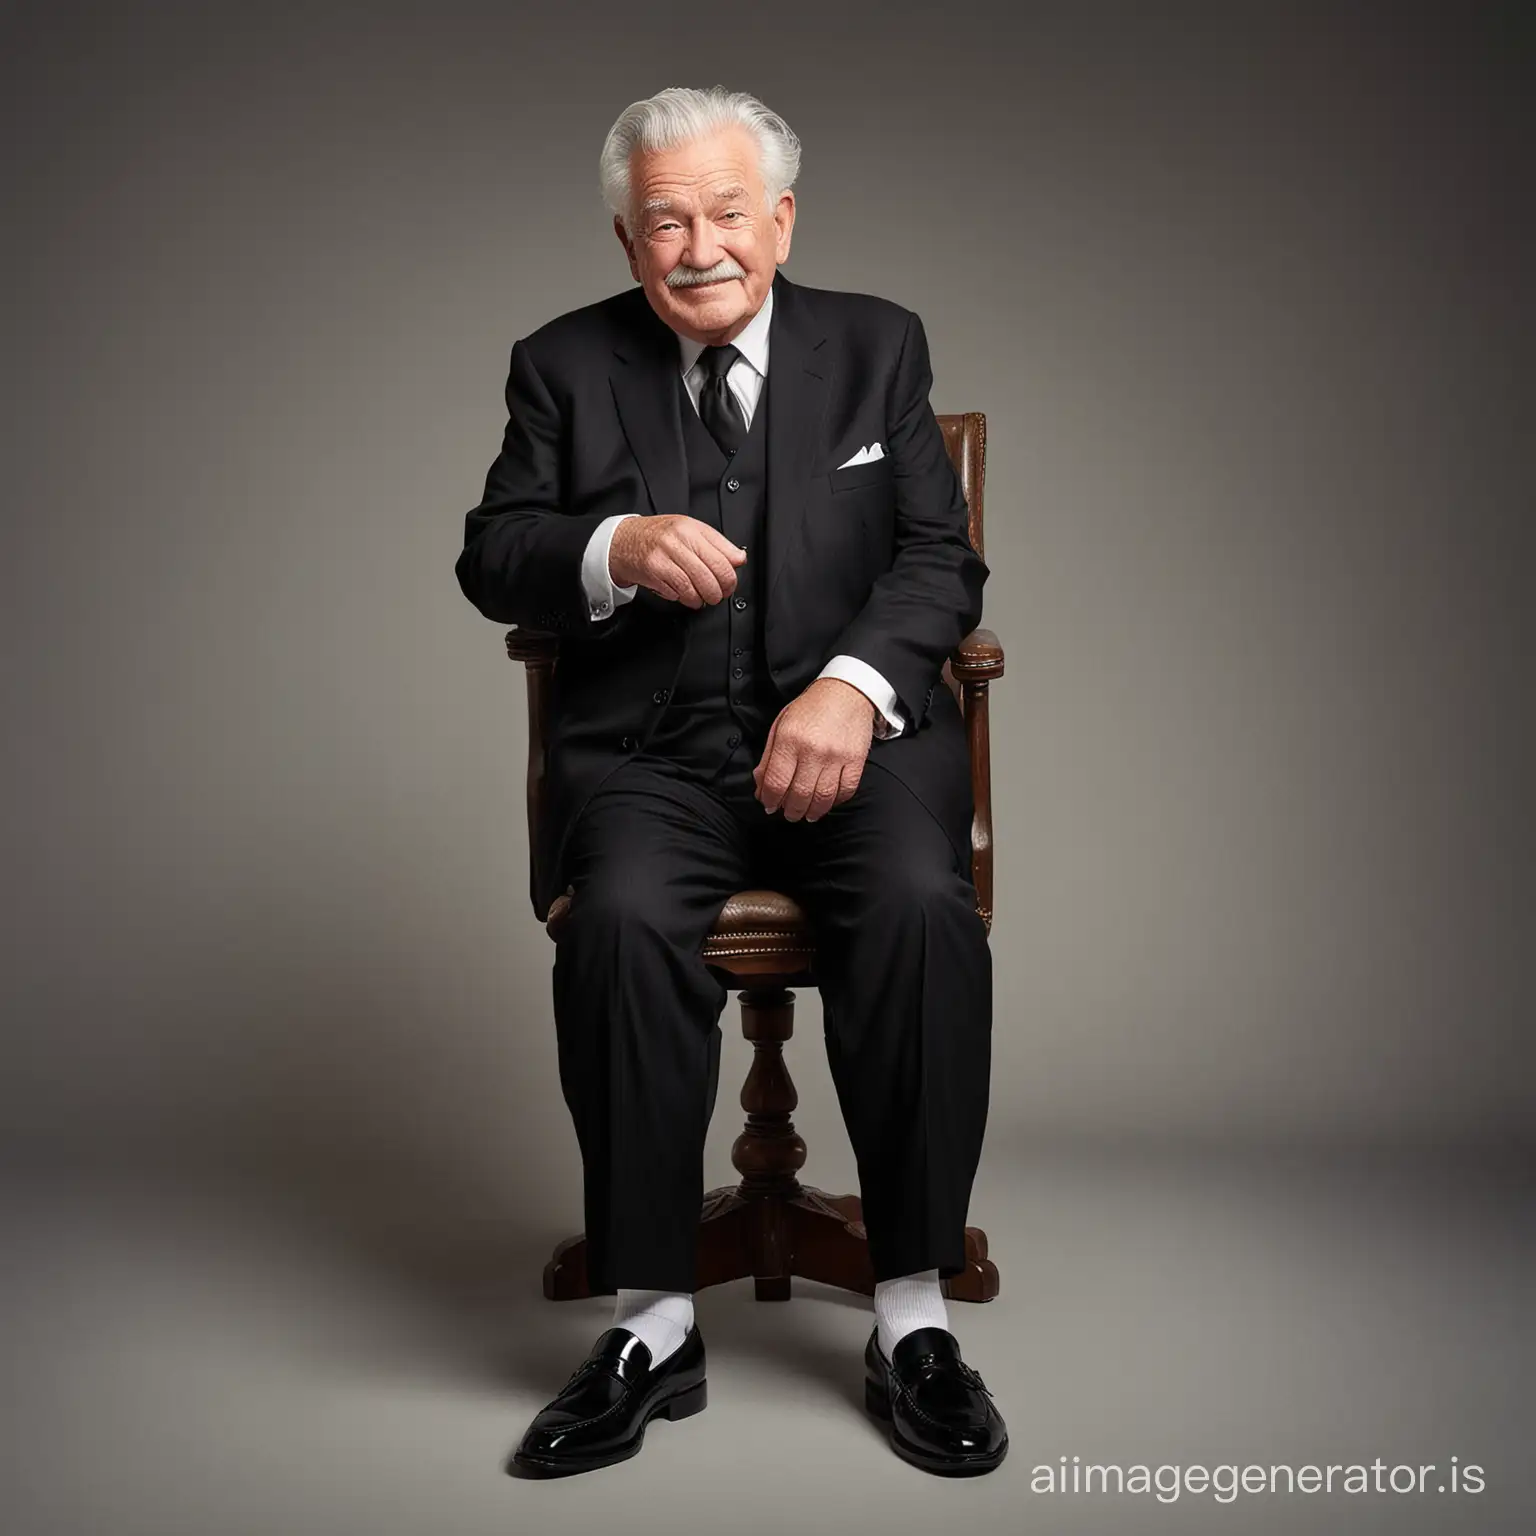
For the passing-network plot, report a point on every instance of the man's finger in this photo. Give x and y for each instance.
(802, 786)
(779, 765)
(719, 554)
(666, 582)
(700, 578)
(717, 565)
(762, 762)
(849, 779)
(718, 541)
(824, 796)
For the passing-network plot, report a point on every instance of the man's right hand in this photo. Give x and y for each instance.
(677, 557)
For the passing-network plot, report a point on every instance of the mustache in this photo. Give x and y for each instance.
(688, 277)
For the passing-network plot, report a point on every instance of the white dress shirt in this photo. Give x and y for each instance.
(746, 378)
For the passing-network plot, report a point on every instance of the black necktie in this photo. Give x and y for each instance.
(719, 409)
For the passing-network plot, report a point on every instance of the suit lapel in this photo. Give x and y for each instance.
(644, 380)
(799, 376)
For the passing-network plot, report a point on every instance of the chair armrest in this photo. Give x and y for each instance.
(973, 664)
(978, 658)
(532, 645)
(539, 650)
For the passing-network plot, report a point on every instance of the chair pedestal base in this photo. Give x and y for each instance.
(770, 1226)
(773, 1239)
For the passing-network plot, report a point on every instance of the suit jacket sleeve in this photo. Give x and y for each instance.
(920, 609)
(523, 551)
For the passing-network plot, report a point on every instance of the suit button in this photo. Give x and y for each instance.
(733, 738)
(735, 671)
(733, 485)
(740, 603)
(629, 743)
(660, 696)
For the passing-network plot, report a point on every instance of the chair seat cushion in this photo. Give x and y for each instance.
(757, 932)
(760, 930)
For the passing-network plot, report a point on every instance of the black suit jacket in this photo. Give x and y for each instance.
(874, 560)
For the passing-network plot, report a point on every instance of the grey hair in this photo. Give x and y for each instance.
(680, 114)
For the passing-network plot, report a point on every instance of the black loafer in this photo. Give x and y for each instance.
(940, 1411)
(600, 1414)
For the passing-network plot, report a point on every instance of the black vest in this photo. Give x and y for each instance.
(723, 699)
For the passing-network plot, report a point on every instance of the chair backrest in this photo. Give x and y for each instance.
(965, 439)
(965, 436)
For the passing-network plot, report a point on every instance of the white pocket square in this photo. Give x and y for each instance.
(866, 455)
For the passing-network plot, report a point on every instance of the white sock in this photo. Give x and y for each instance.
(661, 1318)
(907, 1303)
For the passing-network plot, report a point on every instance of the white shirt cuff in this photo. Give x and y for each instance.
(604, 599)
(888, 718)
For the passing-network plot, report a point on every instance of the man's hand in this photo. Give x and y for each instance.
(816, 750)
(678, 557)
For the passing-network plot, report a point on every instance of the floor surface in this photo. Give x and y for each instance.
(216, 1363)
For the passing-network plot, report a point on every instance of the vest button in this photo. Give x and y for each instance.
(735, 671)
(660, 696)
(740, 603)
(733, 485)
(629, 744)
(732, 739)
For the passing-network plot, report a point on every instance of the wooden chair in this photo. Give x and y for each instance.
(769, 1225)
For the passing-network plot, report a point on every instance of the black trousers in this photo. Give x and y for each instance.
(902, 965)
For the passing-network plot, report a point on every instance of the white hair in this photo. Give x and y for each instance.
(681, 114)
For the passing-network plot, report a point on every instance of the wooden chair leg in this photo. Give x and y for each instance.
(770, 1226)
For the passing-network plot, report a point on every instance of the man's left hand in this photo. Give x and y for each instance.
(816, 749)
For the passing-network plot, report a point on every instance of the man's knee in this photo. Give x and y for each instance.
(619, 901)
(913, 887)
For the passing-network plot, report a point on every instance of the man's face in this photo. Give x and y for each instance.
(699, 211)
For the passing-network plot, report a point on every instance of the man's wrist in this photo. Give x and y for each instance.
(613, 533)
(874, 709)
(875, 687)
(604, 598)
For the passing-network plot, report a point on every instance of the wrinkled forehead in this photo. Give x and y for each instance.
(704, 198)
(697, 176)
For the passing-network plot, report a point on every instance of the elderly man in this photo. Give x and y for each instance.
(727, 493)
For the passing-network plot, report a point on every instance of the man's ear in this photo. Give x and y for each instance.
(629, 252)
(784, 222)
